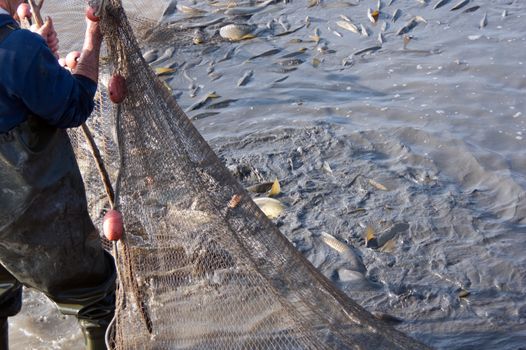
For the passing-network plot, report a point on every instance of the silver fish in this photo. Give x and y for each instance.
(348, 26)
(380, 38)
(244, 11)
(245, 78)
(460, 5)
(337, 33)
(440, 4)
(504, 13)
(483, 21)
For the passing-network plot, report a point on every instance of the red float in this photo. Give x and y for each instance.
(112, 225)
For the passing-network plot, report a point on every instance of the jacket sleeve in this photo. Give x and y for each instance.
(52, 93)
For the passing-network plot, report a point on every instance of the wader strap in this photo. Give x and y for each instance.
(6, 30)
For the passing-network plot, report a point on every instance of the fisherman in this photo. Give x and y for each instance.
(47, 239)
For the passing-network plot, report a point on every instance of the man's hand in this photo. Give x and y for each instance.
(47, 31)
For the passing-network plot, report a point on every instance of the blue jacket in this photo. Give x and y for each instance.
(32, 82)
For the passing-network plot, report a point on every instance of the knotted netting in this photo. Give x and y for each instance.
(200, 266)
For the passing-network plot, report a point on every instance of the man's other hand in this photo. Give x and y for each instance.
(47, 31)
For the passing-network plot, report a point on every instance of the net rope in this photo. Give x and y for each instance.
(200, 266)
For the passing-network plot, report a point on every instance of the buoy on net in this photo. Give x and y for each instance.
(117, 88)
(72, 59)
(90, 13)
(23, 11)
(112, 225)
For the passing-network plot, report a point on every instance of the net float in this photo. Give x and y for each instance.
(112, 225)
(90, 13)
(23, 11)
(117, 88)
(72, 59)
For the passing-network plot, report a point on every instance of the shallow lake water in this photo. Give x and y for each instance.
(422, 141)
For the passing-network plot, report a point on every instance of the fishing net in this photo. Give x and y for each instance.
(200, 266)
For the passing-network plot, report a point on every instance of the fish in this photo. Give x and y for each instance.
(368, 49)
(215, 75)
(471, 9)
(298, 52)
(228, 55)
(338, 34)
(412, 23)
(203, 101)
(201, 24)
(160, 71)
(344, 250)
(372, 15)
(244, 11)
(203, 115)
(198, 37)
(261, 187)
(377, 185)
(237, 32)
(245, 78)
(395, 15)
(348, 26)
(150, 56)
(221, 104)
(370, 238)
(504, 13)
(191, 11)
(387, 318)
(483, 21)
(440, 3)
(284, 23)
(316, 36)
(267, 53)
(279, 80)
(364, 30)
(380, 38)
(290, 31)
(275, 189)
(312, 3)
(272, 208)
(460, 5)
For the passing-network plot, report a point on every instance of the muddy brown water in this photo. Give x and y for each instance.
(439, 123)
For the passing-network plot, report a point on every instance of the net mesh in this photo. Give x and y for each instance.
(200, 266)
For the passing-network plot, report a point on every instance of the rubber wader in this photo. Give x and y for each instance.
(47, 239)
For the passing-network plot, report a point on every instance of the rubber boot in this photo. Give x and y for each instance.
(4, 334)
(94, 334)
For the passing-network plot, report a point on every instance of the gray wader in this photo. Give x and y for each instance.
(47, 239)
